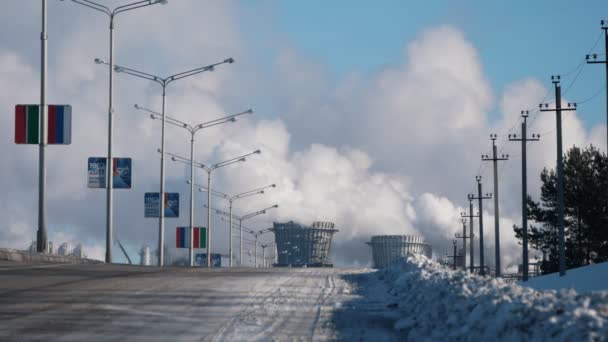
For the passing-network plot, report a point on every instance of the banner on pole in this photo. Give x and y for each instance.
(200, 259)
(182, 237)
(59, 124)
(152, 204)
(121, 177)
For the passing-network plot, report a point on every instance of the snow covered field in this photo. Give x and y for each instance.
(436, 303)
(582, 279)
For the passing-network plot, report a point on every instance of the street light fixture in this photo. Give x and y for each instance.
(192, 129)
(230, 200)
(112, 13)
(209, 170)
(241, 219)
(163, 82)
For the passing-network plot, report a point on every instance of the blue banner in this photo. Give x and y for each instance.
(200, 259)
(152, 204)
(121, 173)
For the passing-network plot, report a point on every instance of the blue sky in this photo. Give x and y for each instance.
(515, 39)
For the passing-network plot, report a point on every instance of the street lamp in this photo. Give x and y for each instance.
(192, 129)
(230, 200)
(241, 219)
(256, 234)
(163, 82)
(210, 169)
(264, 246)
(112, 13)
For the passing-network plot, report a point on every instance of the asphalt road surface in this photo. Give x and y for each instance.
(120, 302)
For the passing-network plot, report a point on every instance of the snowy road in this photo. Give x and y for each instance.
(113, 302)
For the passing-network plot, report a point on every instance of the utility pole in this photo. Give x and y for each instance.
(524, 187)
(495, 159)
(464, 238)
(470, 216)
(604, 24)
(454, 256)
(41, 244)
(480, 198)
(560, 168)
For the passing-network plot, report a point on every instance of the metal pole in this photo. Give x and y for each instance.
(209, 218)
(524, 205)
(255, 253)
(481, 263)
(471, 235)
(230, 232)
(192, 200)
(240, 242)
(464, 245)
(560, 182)
(264, 256)
(455, 256)
(109, 161)
(41, 244)
(161, 214)
(496, 212)
(606, 62)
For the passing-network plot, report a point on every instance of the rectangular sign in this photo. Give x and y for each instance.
(200, 259)
(59, 124)
(121, 173)
(182, 237)
(152, 204)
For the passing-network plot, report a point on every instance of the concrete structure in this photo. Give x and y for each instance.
(63, 249)
(299, 245)
(388, 248)
(78, 251)
(144, 256)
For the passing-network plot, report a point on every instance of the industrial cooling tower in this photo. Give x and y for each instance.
(388, 248)
(299, 245)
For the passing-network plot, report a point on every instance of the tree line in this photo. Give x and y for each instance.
(586, 212)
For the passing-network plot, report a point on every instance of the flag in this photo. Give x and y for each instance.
(27, 124)
(182, 237)
(200, 237)
(59, 124)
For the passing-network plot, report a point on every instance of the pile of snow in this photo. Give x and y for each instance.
(437, 303)
(582, 279)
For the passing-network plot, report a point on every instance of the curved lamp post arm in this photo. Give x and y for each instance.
(197, 71)
(138, 4)
(253, 192)
(95, 6)
(233, 160)
(229, 118)
(168, 119)
(259, 212)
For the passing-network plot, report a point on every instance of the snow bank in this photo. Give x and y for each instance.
(437, 303)
(582, 279)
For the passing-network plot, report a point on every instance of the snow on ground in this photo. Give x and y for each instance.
(439, 304)
(582, 279)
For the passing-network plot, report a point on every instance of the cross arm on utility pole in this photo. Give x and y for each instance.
(544, 107)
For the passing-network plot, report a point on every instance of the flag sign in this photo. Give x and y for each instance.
(152, 204)
(121, 176)
(59, 124)
(182, 235)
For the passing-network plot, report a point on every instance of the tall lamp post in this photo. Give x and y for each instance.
(241, 219)
(256, 234)
(163, 82)
(112, 13)
(209, 170)
(230, 200)
(193, 129)
(264, 246)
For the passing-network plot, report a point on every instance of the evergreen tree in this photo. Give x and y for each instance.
(585, 207)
